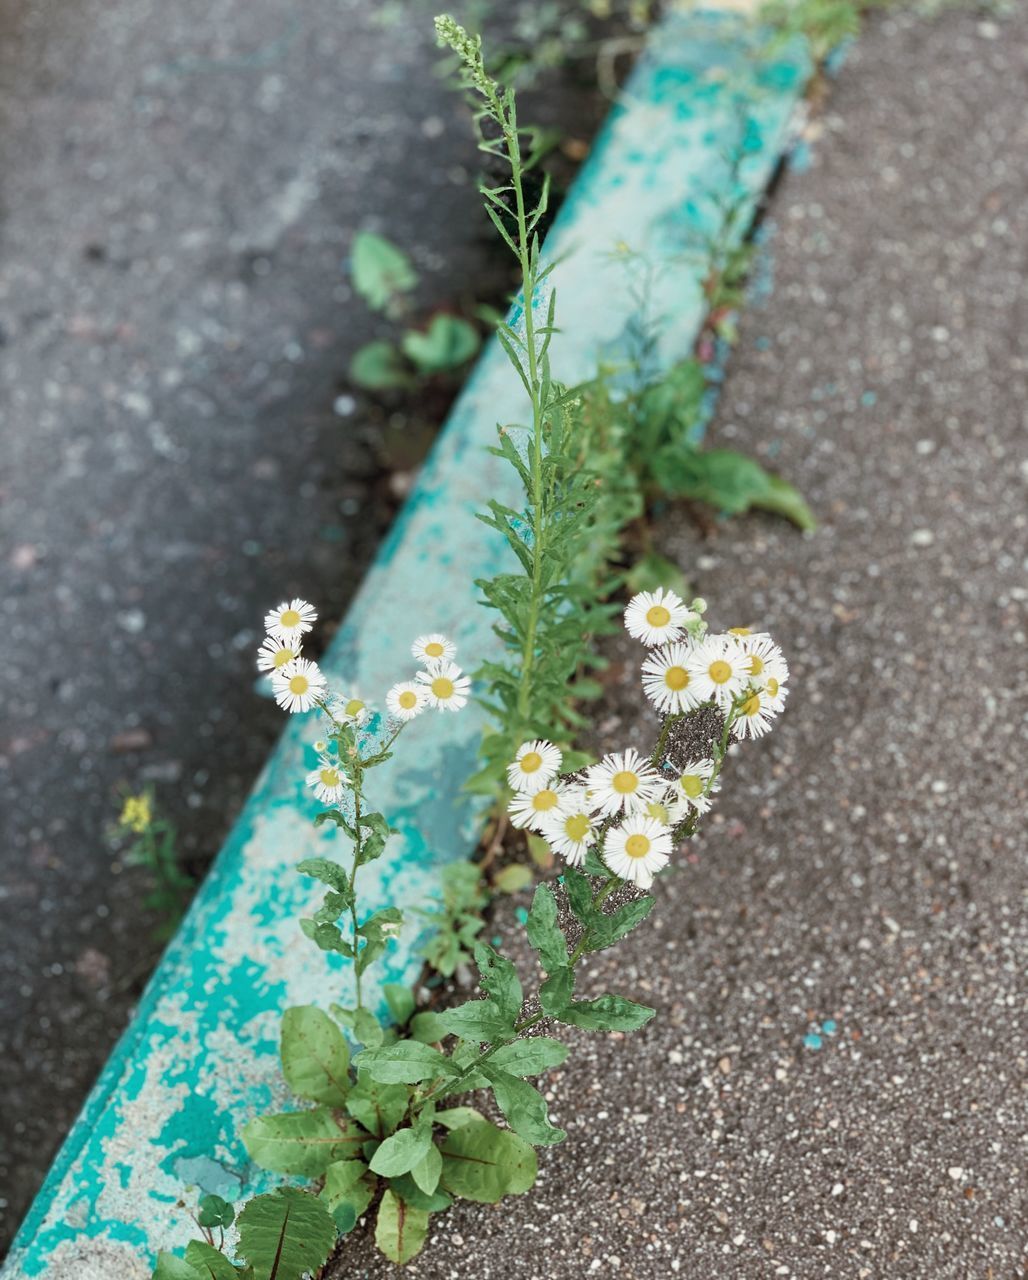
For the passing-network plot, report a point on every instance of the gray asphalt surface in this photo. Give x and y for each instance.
(180, 186)
(866, 864)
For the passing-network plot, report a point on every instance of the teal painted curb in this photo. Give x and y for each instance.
(200, 1056)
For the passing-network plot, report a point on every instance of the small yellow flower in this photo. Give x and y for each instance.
(136, 815)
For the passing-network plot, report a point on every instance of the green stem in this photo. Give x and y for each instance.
(357, 847)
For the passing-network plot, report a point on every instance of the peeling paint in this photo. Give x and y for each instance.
(200, 1057)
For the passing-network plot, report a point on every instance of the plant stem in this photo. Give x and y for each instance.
(357, 846)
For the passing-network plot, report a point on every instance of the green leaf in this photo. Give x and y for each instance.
(425, 1027)
(606, 930)
(513, 878)
(406, 1062)
(530, 1056)
(286, 1234)
(580, 896)
(302, 1142)
(367, 1028)
(782, 499)
(401, 1229)
(400, 1000)
(380, 270)
(479, 1020)
(426, 1172)
(379, 366)
(378, 1107)
(543, 933)
(448, 343)
(327, 871)
(457, 1117)
(484, 1163)
(653, 571)
(555, 992)
(171, 1267)
(349, 1189)
(403, 1150)
(326, 936)
(211, 1263)
(407, 1189)
(523, 1105)
(499, 979)
(607, 1013)
(215, 1212)
(315, 1057)
(731, 482)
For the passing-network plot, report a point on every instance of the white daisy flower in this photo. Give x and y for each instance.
(433, 648)
(570, 829)
(406, 700)
(718, 669)
(669, 809)
(349, 709)
(622, 782)
(655, 617)
(275, 653)
(756, 715)
(299, 685)
(666, 679)
(535, 765)
(530, 808)
(291, 620)
(446, 686)
(766, 658)
(691, 785)
(637, 849)
(320, 746)
(327, 781)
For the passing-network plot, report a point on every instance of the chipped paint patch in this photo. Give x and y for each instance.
(200, 1057)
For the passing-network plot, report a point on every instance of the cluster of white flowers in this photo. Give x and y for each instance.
(627, 807)
(298, 683)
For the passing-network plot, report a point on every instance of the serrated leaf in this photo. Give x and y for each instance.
(315, 1057)
(523, 1105)
(286, 1234)
(555, 992)
(484, 1163)
(171, 1267)
(499, 979)
(530, 1055)
(349, 1189)
(406, 1062)
(215, 1212)
(478, 1020)
(327, 936)
(327, 871)
(401, 1228)
(400, 1000)
(302, 1142)
(608, 929)
(543, 933)
(378, 1107)
(607, 1013)
(580, 896)
(211, 1263)
(380, 270)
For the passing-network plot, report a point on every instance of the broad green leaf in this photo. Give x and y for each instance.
(327, 936)
(406, 1062)
(732, 482)
(484, 1163)
(543, 932)
(215, 1212)
(327, 871)
(211, 1263)
(499, 979)
(378, 1107)
(400, 1000)
(302, 1142)
(530, 1056)
(479, 1020)
(171, 1267)
(513, 878)
(380, 270)
(315, 1057)
(555, 992)
(448, 343)
(407, 1189)
(379, 366)
(401, 1229)
(607, 1013)
(349, 1189)
(606, 930)
(367, 1028)
(426, 1172)
(580, 896)
(782, 499)
(402, 1151)
(286, 1234)
(457, 1117)
(523, 1105)
(425, 1027)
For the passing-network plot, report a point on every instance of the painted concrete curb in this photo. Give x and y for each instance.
(200, 1056)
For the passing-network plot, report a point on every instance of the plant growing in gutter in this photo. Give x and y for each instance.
(149, 841)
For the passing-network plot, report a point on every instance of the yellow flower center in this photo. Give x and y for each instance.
(659, 811)
(756, 665)
(545, 799)
(442, 688)
(434, 649)
(625, 782)
(658, 616)
(637, 846)
(283, 656)
(692, 785)
(289, 618)
(676, 678)
(299, 684)
(751, 706)
(531, 762)
(740, 631)
(330, 777)
(577, 827)
(354, 707)
(719, 671)
(407, 699)
(772, 687)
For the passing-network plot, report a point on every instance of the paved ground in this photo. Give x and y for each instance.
(180, 187)
(867, 864)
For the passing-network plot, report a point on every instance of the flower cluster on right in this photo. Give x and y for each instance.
(629, 810)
